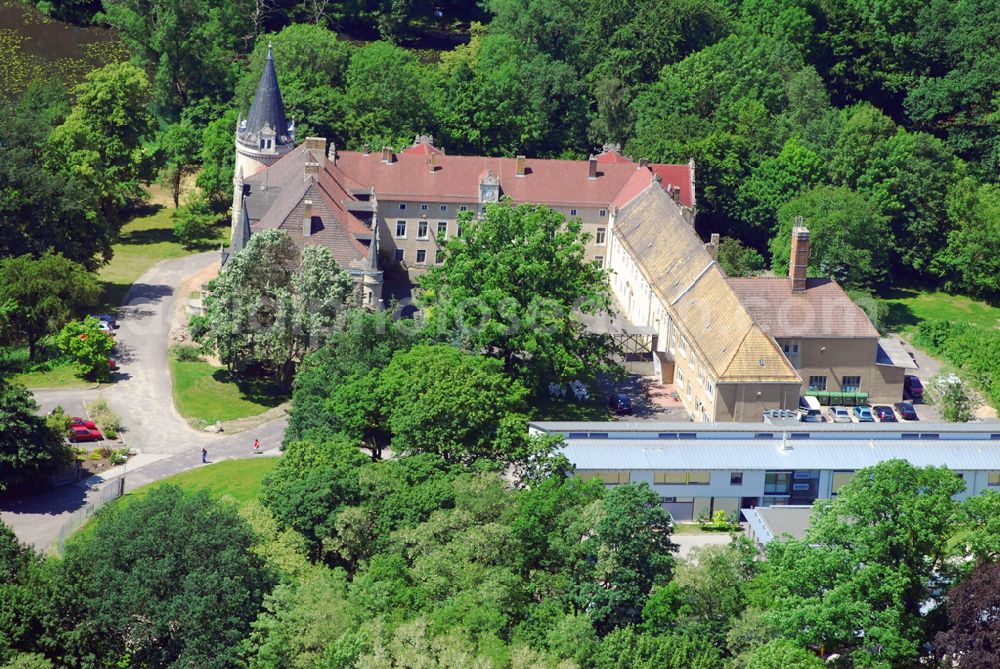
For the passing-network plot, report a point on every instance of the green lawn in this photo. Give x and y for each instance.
(54, 372)
(909, 307)
(239, 479)
(146, 239)
(206, 393)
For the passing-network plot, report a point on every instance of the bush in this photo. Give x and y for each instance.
(193, 220)
(95, 455)
(106, 419)
(186, 352)
(89, 347)
(973, 350)
(119, 456)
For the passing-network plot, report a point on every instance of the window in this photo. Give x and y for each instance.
(421, 255)
(609, 477)
(399, 255)
(680, 377)
(709, 389)
(735, 478)
(444, 207)
(401, 229)
(790, 348)
(439, 257)
(423, 207)
(693, 361)
(701, 376)
(599, 259)
(681, 477)
(604, 212)
(443, 228)
(602, 235)
(994, 478)
(684, 346)
(572, 212)
(777, 482)
(840, 479)
(402, 206)
(850, 384)
(817, 383)
(422, 230)
(463, 208)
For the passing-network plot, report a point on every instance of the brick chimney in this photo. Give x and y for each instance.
(798, 264)
(643, 162)
(432, 163)
(519, 166)
(387, 156)
(592, 166)
(713, 246)
(307, 219)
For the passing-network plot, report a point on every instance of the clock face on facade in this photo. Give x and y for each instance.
(490, 195)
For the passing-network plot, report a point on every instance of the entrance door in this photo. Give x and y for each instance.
(748, 502)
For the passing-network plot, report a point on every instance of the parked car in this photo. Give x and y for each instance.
(107, 318)
(107, 329)
(863, 414)
(112, 364)
(76, 421)
(912, 388)
(809, 410)
(839, 415)
(619, 403)
(906, 410)
(78, 433)
(884, 414)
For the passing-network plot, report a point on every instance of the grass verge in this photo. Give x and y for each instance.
(206, 394)
(910, 307)
(239, 479)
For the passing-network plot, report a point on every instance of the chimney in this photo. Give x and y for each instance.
(387, 156)
(365, 149)
(519, 165)
(312, 167)
(713, 246)
(643, 162)
(307, 219)
(432, 163)
(592, 164)
(798, 265)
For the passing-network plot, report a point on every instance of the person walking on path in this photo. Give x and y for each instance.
(256, 446)
(204, 456)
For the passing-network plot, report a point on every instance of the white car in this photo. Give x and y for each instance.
(839, 415)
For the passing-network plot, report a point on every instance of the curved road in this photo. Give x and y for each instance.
(165, 443)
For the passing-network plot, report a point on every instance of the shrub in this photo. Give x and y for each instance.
(89, 347)
(106, 419)
(973, 350)
(186, 352)
(95, 455)
(193, 220)
(119, 456)
(110, 434)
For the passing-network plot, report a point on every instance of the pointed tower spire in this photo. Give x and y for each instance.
(267, 111)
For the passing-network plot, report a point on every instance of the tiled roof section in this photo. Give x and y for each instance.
(678, 176)
(455, 178)
(613, 155)
(423, 146)
(267, 108)
(674, 261)
(823, 310)
(327, 228)
(638, 182)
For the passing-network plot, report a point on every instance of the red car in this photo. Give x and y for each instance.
(78, 433)
(112, 364)
(76, 421)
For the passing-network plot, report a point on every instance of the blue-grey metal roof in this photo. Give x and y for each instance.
(828, 454)
(267, 109)
(654, 427)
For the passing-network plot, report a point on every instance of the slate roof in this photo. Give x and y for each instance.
(822, 310)
(267, 109)
(674, 262)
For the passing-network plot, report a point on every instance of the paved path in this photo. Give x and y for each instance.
(165, 443)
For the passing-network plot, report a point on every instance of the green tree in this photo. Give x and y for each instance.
(776, 181)
(439, 399)
(956, 404)
(43, 293)
(980, 516)
(387, 96)
(193, 221)
(101, 141)
(178, 151)
(23, 598)
(737, 259)
(168, 580)
(627, 648)
(190, 46)
(29, 448)
(311, 64)
(971, 259)
(779, 654)
(218, 160)
(87, 345)
(508, 287)
(272, 305)
(848, 238)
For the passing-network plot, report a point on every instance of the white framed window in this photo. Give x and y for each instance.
(684, 345)
(790, 348)
(421, 256)
(709, 389)
(693, 361)
(423, 207)
(463, 208)
(439, 256)
(817, 383)
(572, 212)
(402, 206)
(399, 255)
(422, 230)
(444, 207)
(680, 378)
(602, 237)
(443, 228)
(604, 212)
(400, 229)
(850, 384)
(599, 259)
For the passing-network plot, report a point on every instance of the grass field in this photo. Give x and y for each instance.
(206, 393)
(909, 307)
(239, 479)
(51, 373)
(146, 240)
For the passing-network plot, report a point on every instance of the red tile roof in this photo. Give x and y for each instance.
(822, 310)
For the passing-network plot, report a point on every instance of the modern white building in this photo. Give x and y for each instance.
(732, 466)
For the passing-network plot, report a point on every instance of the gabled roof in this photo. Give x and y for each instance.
(423, 146)
(674, 262)
(822, 310)
(267, 109)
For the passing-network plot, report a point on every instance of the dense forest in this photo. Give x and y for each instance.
(876, 122)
